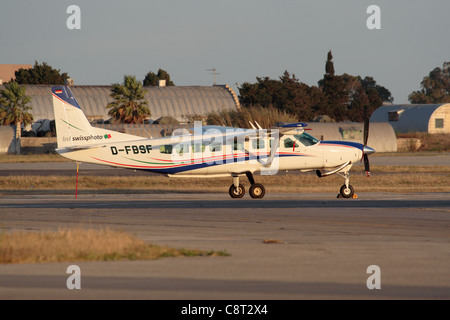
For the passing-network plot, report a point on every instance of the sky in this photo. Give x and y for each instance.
(241, 39)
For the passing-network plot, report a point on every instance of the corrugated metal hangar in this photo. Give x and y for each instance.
(174, 101)
(406, 118)
(381, 135)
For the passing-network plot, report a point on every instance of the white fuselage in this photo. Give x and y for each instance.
(164, 156)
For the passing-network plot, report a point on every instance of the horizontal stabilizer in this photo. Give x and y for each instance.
(84, 147)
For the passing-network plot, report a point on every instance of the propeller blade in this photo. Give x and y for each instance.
(366, 164)
(366, 130)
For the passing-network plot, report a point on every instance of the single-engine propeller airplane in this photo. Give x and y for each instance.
(208, 152)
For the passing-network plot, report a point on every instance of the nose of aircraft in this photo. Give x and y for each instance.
(368, 150)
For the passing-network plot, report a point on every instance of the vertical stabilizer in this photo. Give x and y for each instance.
(72, 126)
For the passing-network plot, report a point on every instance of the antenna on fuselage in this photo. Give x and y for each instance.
(259, 127)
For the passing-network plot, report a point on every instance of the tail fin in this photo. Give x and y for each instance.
(73, 128)
(70, 120)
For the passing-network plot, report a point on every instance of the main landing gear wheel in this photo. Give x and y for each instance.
(347, 192)
(236, 192)
(257, 190)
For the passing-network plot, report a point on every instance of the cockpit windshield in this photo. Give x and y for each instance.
(306, 139)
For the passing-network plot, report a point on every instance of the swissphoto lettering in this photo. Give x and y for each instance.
(88, 138)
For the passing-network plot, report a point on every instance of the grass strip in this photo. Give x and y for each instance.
(84, 245)
(414, 181)
(31, 158)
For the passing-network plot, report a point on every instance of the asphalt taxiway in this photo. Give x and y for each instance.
(285, 246)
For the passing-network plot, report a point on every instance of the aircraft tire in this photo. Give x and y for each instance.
(257, 191)
(347, 192)
(236, 192)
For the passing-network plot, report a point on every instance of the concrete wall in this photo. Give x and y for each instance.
(7, 139)
(37, 145)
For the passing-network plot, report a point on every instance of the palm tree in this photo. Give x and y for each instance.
(129, 105)
(14, 108)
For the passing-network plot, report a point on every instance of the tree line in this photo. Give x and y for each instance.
(340, 97)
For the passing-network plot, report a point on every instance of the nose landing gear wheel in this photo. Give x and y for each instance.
(236, 192)
(347, 192)
(257, 190)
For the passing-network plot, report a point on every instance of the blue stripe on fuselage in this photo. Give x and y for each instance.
(201, 165)
(345, 143)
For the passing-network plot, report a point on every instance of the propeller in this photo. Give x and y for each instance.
(366, 150)
(366, 130)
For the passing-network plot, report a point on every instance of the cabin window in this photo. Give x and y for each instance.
(258, 144)
(167, 149)
(238, 145)
(181, 148)
(289, 143)
(196, 148)
(215, 147)
(439, 123)
(272, 142)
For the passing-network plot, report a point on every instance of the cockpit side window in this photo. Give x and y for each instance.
(306, 139)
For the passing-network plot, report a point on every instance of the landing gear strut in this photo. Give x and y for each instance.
(346, 190)
(237, 190)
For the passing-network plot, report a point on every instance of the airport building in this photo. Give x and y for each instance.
(408, 118)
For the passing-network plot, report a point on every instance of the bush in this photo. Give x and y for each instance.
(266, 117)
(436, 142)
